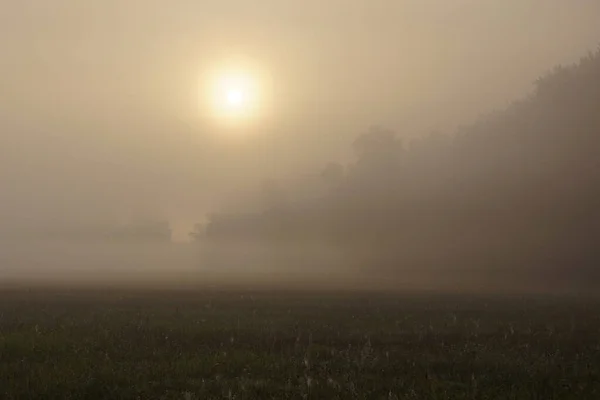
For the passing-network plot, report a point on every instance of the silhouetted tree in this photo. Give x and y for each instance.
(519, 188)
(377, 144)
(198, 232)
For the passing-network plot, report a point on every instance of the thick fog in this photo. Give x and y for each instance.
(105, 140)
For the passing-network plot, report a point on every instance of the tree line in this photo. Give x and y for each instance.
(519, 188)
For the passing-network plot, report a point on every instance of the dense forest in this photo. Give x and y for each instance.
(517, 190)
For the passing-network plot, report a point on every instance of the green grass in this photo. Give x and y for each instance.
(273, 345)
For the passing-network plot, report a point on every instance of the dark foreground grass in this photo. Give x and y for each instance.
(242, 345)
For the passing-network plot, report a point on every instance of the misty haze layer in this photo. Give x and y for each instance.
(99, 118)
(512, 198)
(106, 154)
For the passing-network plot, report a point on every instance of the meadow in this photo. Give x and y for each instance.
(241, 344)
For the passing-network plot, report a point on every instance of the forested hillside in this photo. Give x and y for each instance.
(519, 190)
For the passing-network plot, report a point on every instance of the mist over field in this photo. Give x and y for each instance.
(397, 145)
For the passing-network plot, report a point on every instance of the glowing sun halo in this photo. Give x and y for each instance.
(234, 95)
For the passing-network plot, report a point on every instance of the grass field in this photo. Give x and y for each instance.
(117, 344)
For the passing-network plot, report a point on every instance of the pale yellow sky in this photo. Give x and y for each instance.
(99, 98)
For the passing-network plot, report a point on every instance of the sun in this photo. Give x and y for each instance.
(235, 97)
(234, 94)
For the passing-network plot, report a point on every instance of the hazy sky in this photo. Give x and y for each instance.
(99, 110)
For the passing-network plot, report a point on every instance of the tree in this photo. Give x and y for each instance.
(198, 232)
(377, 142)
